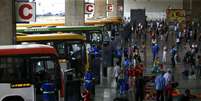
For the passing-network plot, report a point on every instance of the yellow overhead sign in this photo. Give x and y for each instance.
(175, 15)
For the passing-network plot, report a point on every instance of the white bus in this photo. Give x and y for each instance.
(24, 68)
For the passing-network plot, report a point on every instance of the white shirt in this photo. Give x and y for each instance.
(168, 77)
(180, 34)
(134, 62)
(164, 53)
(177, 40)
(116, 71)
(175, 58)
(153, 41)
(164, 56)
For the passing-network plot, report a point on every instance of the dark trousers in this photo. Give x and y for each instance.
(116, 78)
(139, 97)
(168, 97)
(154, 57)
(119, 59)
(173, 62)
(159, 95)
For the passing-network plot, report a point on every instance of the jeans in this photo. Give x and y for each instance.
(139, 96)
(159, 95)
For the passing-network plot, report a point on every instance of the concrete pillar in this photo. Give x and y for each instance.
(187, 6)
(192, 8)
(74, 12)
(7, 22)
(118, 6)
(100, 8)
(196, 8)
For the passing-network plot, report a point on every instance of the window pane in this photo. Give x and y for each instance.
(14, 69)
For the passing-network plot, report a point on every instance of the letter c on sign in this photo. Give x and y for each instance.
(21, 11)
(90, 8)
(110, 7)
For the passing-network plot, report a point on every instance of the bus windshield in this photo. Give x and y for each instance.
(76, 51)
(70, 48)
(65, 49)
(72, 51)
(96, 37)
(27, 69)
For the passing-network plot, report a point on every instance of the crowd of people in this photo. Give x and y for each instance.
(128, 70)
(170, 45)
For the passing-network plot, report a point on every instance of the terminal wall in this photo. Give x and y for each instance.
(154, 8)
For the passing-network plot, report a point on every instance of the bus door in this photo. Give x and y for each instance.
(45, 73)
(76, 55)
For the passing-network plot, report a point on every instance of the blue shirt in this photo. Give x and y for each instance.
(173, 51)
(118, 53)
(126, 63)
(88, 77)
(160, 83)
(155, 49)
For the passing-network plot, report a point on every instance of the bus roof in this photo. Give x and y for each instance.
(103, 21)
(28, 49)
(115, 18)
(21, 34)
(48, 37)
(39, 24)
(59, 29)
(93, 22)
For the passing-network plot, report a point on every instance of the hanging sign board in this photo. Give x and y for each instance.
(25, 11)
(109, 7)
(89, 8)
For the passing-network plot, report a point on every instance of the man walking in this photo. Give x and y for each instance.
(164, 57)
(139, 85)
(155, 50)
(116, 72)
(160, 86)
(173, 56)
(168, 77)
(168, 85)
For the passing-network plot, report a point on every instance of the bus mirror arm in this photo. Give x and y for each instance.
(73, 58)
(68, 70)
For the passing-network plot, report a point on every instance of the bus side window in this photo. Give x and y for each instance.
(1, 69)
(25, 71)
(51, 70)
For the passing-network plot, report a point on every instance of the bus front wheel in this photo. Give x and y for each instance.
(13, 98)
